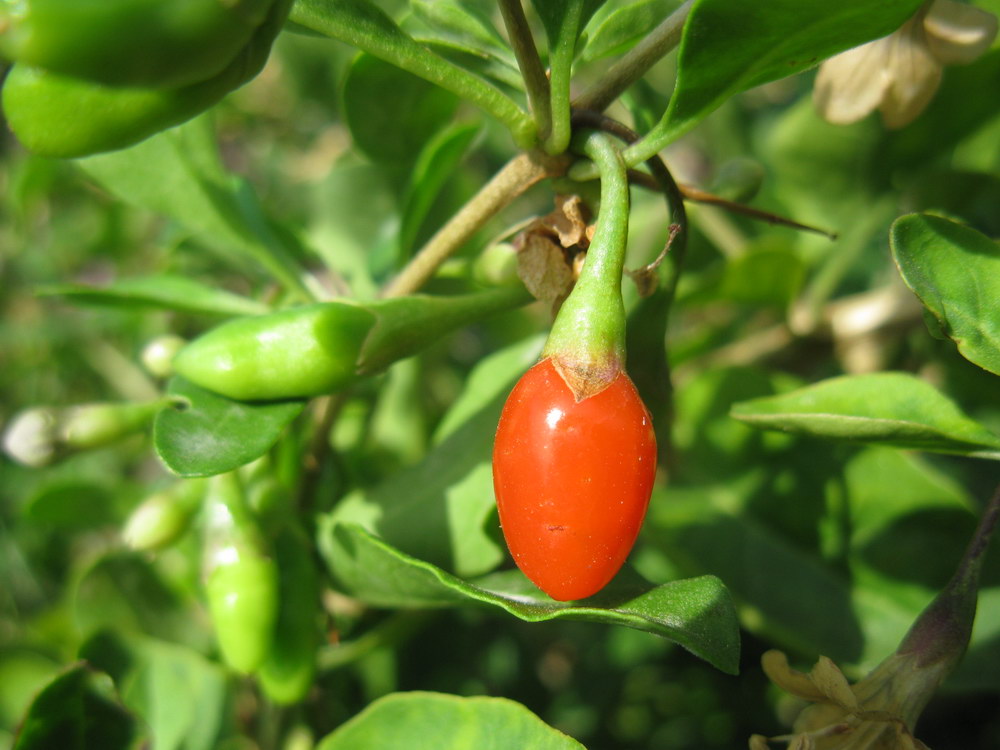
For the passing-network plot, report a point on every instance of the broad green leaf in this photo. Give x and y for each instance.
(212, 434)
(164, 292)
(178, 174)
(365, 26)
(695, 613)
(422, 720)
(440, 510)
(392, 113)
(891, 408)
(435, 166)
(178, 693)
(23, 672)
(775, 39)
(77, 710)
(955, 271)
(463, 24)
(615, 33)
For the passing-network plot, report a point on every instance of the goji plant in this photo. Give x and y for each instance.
(468, 374)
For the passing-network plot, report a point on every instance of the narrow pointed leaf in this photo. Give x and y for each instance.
(955, 271)
(891, 408)
(696, 613)
(213, 434)
(162, 292)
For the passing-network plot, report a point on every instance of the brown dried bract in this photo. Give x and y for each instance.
(550, 251)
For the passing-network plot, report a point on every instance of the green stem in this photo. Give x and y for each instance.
(561, 54)
(636, 62)
(516, 176)
(362, 25)
(587, 342)
(535, 83)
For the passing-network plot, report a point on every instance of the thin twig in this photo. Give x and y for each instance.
(536, 84)
(518, 175)
(636, 62)
(697, 195)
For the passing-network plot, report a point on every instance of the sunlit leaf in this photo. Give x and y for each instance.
(209, 434)
(955, 271)
(435, 721)
(696, 613)
(891, 408)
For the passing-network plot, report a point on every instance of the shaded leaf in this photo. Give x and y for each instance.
(412, 721)
(614, 33)
(955, 271)
(392, 113)
(464, 25)
(213, 434)
(435, 166)
(178, 174)
(695, 613)
(77, 710)
(162, 292)
(891, 408)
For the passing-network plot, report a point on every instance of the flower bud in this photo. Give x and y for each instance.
(158, 355)
(31, 437)
(164, 517)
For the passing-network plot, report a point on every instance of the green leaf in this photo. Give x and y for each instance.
(179, 693)
(418, 720)
(810, 611)
(178, 174)
(696, 613)
(121, 590)
(78, 710)
(365, 26)
(435, 166)
(616, 32)
(727, 48)
(392, 113)
(164, 292)
(955, 271)
(464, 25)
(891, 408)
(440, 509)
(213, 434)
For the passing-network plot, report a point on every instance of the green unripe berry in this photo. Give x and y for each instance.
(164, 517)
(241, 578)
(129, 42)
(66, 117)
(305, 351)
(287, 672)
